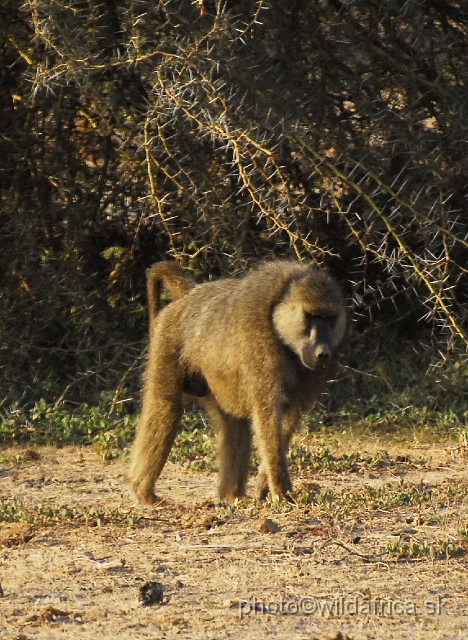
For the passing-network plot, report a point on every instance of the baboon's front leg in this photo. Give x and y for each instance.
(271, 443)
(234, 447)
(289, 425)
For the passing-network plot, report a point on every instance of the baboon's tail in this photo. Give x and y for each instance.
(170, 276)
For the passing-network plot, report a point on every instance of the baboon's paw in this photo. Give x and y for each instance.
(282, 497)
(261, 488)
(262, 492)
(231, 497)
(145, 497)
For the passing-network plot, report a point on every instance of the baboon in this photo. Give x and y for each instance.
(256, 351)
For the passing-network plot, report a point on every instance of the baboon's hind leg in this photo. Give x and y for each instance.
(158, 424)
(234, 447)
(156, 433)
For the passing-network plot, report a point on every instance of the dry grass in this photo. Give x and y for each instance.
(373, 548)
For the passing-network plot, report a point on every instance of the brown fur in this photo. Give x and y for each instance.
(258, 349)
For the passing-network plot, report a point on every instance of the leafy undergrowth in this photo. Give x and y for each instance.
(393, 394)
(85, 424)
(16, 510)
(304, 455)
(435, 550)
(195, 445)
(367, 498)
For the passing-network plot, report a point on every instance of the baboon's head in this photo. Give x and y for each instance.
(311, 318)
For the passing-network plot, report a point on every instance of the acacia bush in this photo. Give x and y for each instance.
(219, 133)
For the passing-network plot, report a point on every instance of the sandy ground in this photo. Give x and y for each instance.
(77, 552)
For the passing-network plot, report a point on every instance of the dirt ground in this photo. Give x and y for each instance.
(76, 554)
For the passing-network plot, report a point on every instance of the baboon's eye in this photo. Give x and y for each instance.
(315, 317)
(318, 316)
(310, 319)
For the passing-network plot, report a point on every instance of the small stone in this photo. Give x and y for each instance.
(151, 593)
(269, 526)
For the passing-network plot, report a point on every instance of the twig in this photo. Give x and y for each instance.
(237, 547)
(367, 558)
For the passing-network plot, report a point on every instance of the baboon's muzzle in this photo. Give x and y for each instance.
(316, 356)
(317, 351)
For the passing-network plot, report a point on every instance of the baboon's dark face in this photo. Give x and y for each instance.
(319, 347)
(311, 320)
